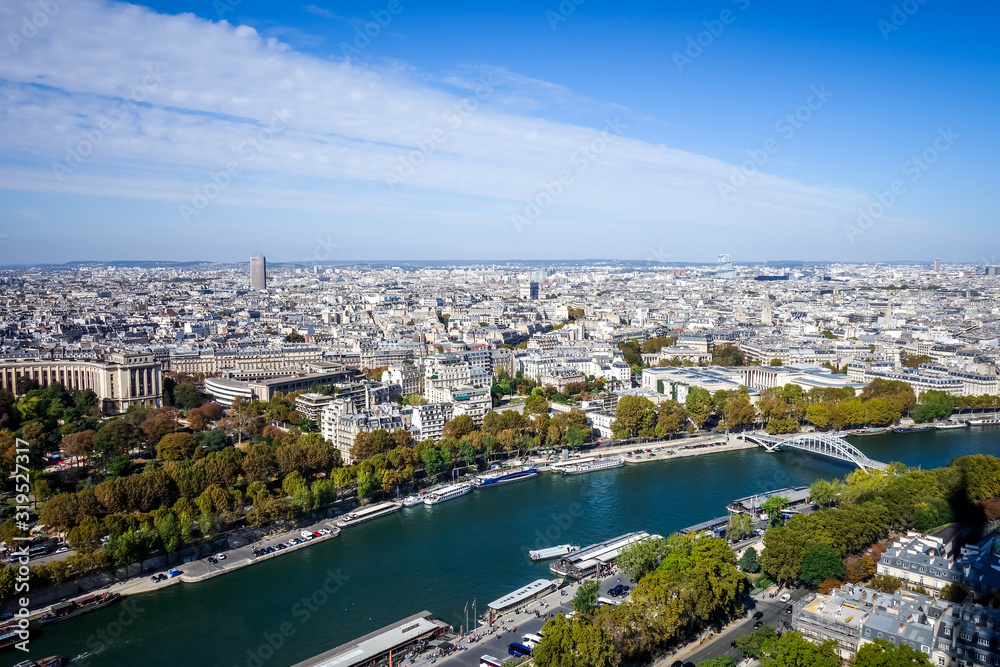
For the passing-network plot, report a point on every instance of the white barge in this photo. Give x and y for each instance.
(368, 513)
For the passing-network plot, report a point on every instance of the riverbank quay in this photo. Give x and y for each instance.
(196, 571)
(660, 450)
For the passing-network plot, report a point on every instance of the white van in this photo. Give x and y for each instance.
(531, 640)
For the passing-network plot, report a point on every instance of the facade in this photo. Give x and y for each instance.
(340, 423)
(529, 290)
(258, 273)
(927, 560)
(408, 376)
(429, 418)
(311, 405)
(472, 401)
(291, 357)
(121, 380)
(225, 390)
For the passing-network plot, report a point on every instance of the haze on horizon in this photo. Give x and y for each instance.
(394, 129)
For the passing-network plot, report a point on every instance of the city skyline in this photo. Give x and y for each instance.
(309, 128)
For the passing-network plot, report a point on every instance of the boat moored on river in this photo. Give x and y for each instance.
(584, 562)
(78, 607)
(984, 422)
(951, 424)
(368, 513)
(552, 552)
(447, 493)
(589, 464)
(504, 476)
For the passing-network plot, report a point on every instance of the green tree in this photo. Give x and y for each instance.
(640, 558)
(954, 593)
(748, 561)
(718, 661)
(882, 653)
(573, 643)
(753, 644)
(794, 650)
(818, 415)
(633, 416)
(822, 562)
(933, 405)
(741, 524)
(773, 506)
(699, 405)
(186, 395)
(585, 600)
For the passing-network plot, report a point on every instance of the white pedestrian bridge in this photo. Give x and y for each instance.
(822, 444)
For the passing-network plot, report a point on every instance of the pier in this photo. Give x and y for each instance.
(581, 563)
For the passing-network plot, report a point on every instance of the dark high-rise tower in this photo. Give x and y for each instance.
(258, 273)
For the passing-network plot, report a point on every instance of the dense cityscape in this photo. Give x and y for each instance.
(176, 422)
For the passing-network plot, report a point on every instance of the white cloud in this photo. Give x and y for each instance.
(319, 11)
(352, 125)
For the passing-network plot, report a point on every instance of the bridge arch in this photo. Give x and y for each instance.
(822, 444)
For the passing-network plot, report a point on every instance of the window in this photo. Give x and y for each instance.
(984, 641)
(967, 636)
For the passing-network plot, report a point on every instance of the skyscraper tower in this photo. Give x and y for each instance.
(889, 322)
(937, 265)
(766, 316)
(258, 273)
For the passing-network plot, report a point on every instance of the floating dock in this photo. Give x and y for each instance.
(395, 640)
(581, 563)
(523, 595)
(552, 552)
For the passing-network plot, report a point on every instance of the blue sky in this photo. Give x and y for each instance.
(498, 130)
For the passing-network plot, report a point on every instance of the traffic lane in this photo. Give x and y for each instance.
(774, 615)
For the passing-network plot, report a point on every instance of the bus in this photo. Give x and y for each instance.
(489, 661)
(531, 640)
(518, 650)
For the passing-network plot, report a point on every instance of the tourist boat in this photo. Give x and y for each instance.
(984, 422)
(10, 632)
(412, 500)
(951, 424)
(552, 552)
(504, 476)
(447, 493)
(368, 513)
(592, 466)
(51, 661)
(868, 431)
(72, 608)
(910, 429)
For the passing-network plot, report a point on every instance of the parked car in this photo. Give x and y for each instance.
(221, 556)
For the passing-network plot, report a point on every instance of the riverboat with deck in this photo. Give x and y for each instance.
(78, 607)
(447, 493)
(368, 513)
(504, 476)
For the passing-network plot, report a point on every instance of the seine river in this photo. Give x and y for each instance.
(441, 558)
